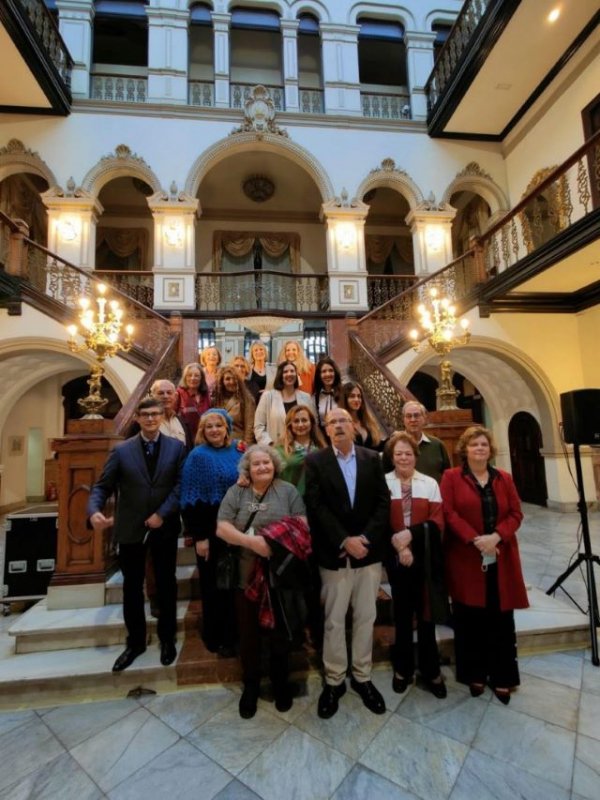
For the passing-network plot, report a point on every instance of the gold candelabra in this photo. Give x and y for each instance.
(101, 332)
(439, 325)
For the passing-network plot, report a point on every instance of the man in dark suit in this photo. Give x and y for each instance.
(348, 509)
(145, 473)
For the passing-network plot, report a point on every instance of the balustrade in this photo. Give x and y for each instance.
(262, 290)
(240, 92)
(385, 106)
(119, 88)
(201, 93)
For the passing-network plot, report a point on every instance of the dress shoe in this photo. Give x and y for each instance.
(248, 701)
(168, 653)
(503, 695)
(127, 657)
(284, 699)
(370, 696)
(399, 684)
(437, 688)
(476, 689)
(328, 701)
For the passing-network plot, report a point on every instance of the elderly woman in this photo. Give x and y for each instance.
(269, 421)
(483, 567)
(210, 469)
(241, 366)
(367, 432)
(292, 351)
(192, 397)
(210, 358)
(247, 511)
(261, 374)
(231, 394)
(415, 566)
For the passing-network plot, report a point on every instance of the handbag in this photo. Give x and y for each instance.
(228, 563)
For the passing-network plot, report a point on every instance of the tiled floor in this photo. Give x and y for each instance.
(544, 746)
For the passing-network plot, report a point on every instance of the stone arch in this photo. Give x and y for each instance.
(473, 179)
(15, 158)
(391, 177)
(387, 11)
(438, 16)
(121, 163)
(318, 9)
(270, 142)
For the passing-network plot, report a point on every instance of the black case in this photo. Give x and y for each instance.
(30, 554)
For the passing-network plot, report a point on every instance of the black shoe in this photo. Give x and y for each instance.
(284, 699)
(437, 688)
(168, 653)
(503, 695)
(476, 689)
(248, 701)
(400, 685)
(328, 701)
(127, 657)
(370, 696)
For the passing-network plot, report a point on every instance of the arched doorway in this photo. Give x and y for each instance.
(527, 463)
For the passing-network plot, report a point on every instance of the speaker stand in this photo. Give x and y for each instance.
(588, 558)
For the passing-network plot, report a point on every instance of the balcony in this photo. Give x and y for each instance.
(35, 57)
(498, 59)
(240, 92)
(385, 104)
(116, 88)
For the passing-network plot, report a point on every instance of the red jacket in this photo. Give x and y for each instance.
(464, 521)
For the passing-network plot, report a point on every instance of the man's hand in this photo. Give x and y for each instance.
(99, 522)
(154, 521)
(401, 539)
(355, 547)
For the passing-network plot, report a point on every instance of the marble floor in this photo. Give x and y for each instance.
(544, 746)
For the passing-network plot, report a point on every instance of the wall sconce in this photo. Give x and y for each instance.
(346, 235)
(173, 233)
(434, 238)
(68, 229)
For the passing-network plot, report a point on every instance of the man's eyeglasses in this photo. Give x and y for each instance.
(150, 414)
(416, 415)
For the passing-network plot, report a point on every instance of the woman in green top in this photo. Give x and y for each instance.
(302, 435)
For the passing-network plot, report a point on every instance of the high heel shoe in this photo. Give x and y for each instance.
(503, 695)
(476, 689)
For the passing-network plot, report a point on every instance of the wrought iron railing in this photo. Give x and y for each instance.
(240, 92)
(119, 88)
(456, 45)
(385, 106)
(263, 290)
(381, 288)
(201, 93)
(44, 27)
(137, 284)
(312, 101)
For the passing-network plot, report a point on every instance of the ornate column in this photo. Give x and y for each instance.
(174, 249)
(167, 54)
(346, 261)
(419, 58)
(221, 55)
(72, 219)
(340, 68)
(289, 32)
(431, 228)
(75, 21)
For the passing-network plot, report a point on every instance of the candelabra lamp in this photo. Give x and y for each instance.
(442, 332)
(101, 330)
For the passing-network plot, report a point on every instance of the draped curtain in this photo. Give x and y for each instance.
(378, 248)
(240, 244)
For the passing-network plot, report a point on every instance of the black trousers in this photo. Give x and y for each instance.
(219, 628)
(162, 545)
(485, 642)
(407, 597)
(251, 636)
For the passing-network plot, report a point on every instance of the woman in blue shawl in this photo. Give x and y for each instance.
(210, 469)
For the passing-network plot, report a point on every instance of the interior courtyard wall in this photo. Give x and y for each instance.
(588, 323)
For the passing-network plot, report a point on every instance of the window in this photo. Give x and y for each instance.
(315, 340)
(206, 335)
(381, 53)
(442, 31)
(121, 33)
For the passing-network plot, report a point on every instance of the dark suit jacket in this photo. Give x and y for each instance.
(139, 495)
(330, 515)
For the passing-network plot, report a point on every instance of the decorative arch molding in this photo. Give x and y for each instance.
(314, 7)
(391, 177)
(438, 16)
(121, 163)
(473, 179)
(269, 142)
(536, 380)
(280, 8)
(383, 11)
(16, 158)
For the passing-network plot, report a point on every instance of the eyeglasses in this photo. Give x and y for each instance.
(416, 415)
(150, 414)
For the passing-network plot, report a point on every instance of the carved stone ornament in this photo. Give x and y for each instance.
(122, 151)
(388, 165)
(473, 169)
(258, 188)
(16, 147)
(259, 114)
(431, 204)
(343, 200)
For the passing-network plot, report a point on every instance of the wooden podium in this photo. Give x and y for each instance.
(84, 558)
(449, 426)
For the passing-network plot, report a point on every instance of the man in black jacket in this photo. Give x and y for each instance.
(347, 501)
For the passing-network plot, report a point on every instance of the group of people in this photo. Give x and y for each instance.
(296, 527)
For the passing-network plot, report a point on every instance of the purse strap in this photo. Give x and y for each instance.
(254, 513)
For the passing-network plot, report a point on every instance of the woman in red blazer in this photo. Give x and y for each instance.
(483, 568)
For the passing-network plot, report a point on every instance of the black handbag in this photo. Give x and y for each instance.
(228, 563)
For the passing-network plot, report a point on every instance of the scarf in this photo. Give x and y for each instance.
(208, 473)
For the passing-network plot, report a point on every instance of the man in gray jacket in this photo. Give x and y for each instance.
(145, 474)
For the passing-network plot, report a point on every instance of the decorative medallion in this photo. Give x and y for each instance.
(259, 114)
(258, 188)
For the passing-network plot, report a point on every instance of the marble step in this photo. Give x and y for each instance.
(187, 584)
(41, 630)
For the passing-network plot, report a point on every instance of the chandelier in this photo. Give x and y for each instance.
(442, 332)
(101, 331)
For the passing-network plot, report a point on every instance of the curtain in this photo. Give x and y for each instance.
(238, 244)
(378, 248)
(124, 242)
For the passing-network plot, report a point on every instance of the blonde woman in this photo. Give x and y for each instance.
(262, 374)
(210, 358)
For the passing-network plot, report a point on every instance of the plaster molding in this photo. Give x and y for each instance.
(16, 158)
(121, 163)
(390, 176)
(474, 179)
